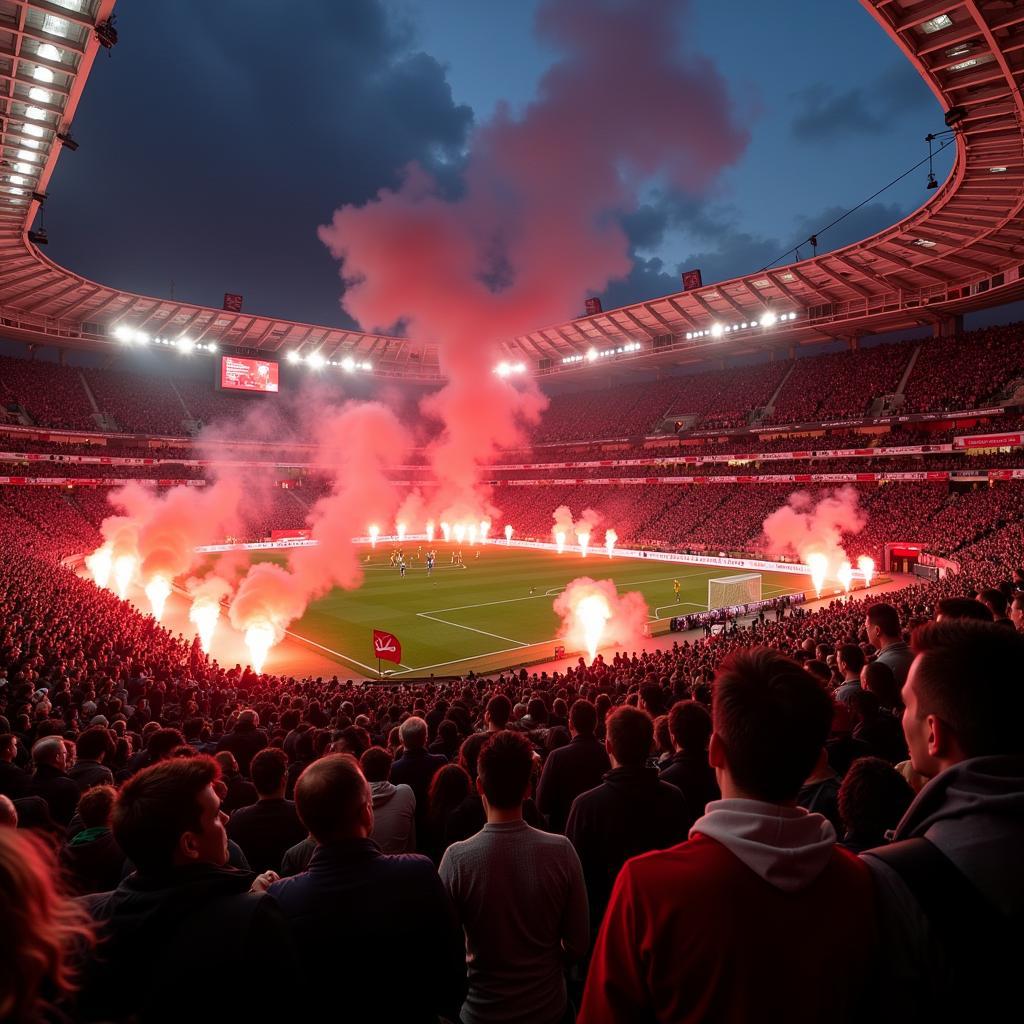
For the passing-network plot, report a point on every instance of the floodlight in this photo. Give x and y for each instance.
(293, 357)
(48, 51)
(41, 74)
(315, 360)
(39, 95)
(768, 318)
(348, 364)
(717, 330)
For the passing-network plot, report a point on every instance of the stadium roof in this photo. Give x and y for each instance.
(962, 250)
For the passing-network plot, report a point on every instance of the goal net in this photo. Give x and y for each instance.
(727, 591)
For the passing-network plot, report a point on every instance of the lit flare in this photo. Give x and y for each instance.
(866, 564)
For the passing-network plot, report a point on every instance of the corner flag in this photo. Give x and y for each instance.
(386, 646)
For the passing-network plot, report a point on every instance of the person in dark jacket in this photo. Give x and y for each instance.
(184, 937)
(13, 781)
(267, 828)
(239, 792)
(92, 860)
(416, 767)
(689, 725)
(95, 747)
(354, 902)
(631, 812)
(245, 740)
(50, 780)
(572, 769)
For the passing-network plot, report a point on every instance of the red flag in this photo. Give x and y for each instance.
(232, 302)
(386, 646)
(691, 280)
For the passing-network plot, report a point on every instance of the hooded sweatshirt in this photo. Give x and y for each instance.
(394, 817)
(973, 813)
(758, 916)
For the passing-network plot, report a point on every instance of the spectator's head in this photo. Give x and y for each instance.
(448, 733)
(269, 770)
(851, 660)
(8, 812)
(227, 762)
(962, 608)
(505, 765)
(333, 799)
(96, 805)
(45, 933)
(963, 697)
(690, 726)
(995, 601)
(376, 764)
(49, 752)
(8, 747)
(162, 743)
(771, 720)
(582, 718)
(469, 752)
(248, 719)
(95, 744)
(448, 788)
(1017, 610)
(413, 733)
(168, 815)
(629, 735)
(882, 625)
(872, 799)
(497, 713)
(876, 677)
(537, 711)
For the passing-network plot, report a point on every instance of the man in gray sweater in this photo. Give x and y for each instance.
(520, 896)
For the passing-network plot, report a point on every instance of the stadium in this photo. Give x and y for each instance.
(507, 561)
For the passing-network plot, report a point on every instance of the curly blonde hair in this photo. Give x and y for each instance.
(43, 931)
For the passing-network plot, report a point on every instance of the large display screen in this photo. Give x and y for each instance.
(240, 374)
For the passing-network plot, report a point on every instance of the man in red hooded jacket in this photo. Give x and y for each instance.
(759, 915)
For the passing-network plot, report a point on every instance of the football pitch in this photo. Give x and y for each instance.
(494, 613)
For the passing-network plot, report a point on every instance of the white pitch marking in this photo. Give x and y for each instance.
(497, 636)
(337, 654)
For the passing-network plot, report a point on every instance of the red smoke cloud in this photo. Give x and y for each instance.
(624, 615)
(534, 230)
(804, 526)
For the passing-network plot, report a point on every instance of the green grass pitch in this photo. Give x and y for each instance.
(484, 617)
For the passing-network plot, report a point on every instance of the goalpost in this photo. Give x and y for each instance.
(726, 591)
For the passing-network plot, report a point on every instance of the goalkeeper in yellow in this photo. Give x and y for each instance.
(675, 589)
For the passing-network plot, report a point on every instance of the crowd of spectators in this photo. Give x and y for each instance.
(492, 831)
(839, 384)
(50, 393)
(140, 403)
(967, 370)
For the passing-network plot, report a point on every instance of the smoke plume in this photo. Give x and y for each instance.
(804, 526)
(620, 621)
(536, 226)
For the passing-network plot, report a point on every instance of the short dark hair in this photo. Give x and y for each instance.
(376, 764)
(772, 719)
(879, 679)
(95, 742)
(162, 742)
(268, 769)
(583, 717)
(995, 600)
(95, 805)
(499, 710)
(158, 806)
(469, 753)
(505, 764)
(886, 618)
(852, 657)
(968, 674)
(630, 733)
(329, 795)
(873, 798)
(689, 725)
(963, 608)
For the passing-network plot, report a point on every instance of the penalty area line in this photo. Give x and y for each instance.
(473, 629)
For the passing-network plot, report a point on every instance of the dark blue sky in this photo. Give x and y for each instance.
(217, 136)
